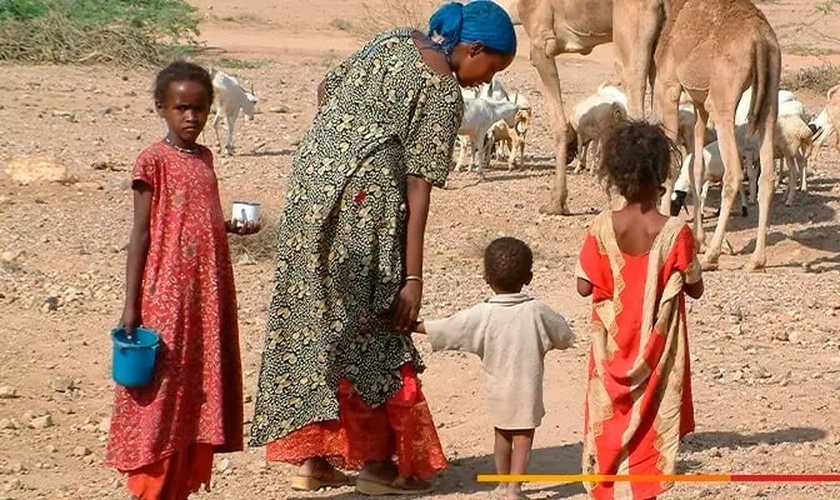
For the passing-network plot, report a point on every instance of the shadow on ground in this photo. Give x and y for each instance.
(460, 478)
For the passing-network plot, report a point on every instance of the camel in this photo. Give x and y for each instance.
(714, 50)
(577, 26)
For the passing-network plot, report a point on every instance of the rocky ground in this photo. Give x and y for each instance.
(765, 348)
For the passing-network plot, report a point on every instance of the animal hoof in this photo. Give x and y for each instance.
(708, 264)
(555, 208)
(755, 265)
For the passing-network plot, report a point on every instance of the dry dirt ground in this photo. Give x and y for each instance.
(766, 362)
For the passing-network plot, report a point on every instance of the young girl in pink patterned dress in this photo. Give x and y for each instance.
(179, 282)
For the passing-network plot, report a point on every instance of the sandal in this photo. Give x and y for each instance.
(399, 486)
(333, 479)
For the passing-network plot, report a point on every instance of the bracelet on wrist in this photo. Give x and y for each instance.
(413, 278)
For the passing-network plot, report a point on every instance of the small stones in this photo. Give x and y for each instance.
(9, 424)
(13, 484)
(279, 109)
(225, 466)
(781, 335)
(50, 304)
(81, 451)
(41, 422)
(62, 384)
(8, 392)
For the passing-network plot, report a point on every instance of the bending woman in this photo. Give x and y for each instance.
(338, 386)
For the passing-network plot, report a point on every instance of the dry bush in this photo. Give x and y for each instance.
(129, 33)
(815, 78)
(383, 15)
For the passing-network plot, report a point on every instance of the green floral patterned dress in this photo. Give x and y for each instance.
(386, 114)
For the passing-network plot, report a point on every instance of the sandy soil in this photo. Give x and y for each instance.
(766, 361)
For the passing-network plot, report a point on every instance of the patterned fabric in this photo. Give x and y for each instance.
(638, 398)
(402, 427)
(188, 297)
(174, 477)
(385, 115)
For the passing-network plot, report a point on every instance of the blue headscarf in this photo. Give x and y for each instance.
(478, 21)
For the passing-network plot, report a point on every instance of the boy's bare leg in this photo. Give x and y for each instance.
(523, 441)
(502, 450)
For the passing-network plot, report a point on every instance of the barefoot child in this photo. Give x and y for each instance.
(511, 332)
(179, 282)
(637, 265)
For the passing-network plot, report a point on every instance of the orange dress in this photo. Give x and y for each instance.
(164, 435)
(639, 401)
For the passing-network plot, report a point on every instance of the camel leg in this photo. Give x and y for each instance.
(547, 69)
(697, 175)
(765, 192)
(668, 104)
(752, 175)
(733, 176)
(634, 40)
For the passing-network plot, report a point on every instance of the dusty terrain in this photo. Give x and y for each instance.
(765, 347)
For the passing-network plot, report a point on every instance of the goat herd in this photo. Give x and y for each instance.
(496, 122)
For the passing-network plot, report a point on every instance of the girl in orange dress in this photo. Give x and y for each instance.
(637, 265)
(179, 282)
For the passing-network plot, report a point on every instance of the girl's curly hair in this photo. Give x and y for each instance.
(636, 158)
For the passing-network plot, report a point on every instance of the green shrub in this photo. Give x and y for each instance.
(122, 32)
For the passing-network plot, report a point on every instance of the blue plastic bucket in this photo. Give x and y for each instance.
(133, 362)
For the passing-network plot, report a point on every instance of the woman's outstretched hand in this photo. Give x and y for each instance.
(407, 305)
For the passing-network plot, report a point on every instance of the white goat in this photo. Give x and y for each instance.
(827, 123)
(503, 139)
(230, 99)
(823, 129)
(497, 91)
(592, 116)
(792, 144)
(713, 174)
(479, 117)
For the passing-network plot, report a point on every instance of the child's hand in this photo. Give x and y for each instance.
(249, 227)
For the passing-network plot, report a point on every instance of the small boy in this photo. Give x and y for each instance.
(511, 333)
